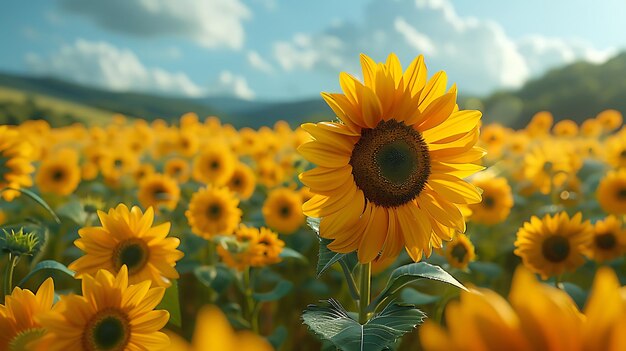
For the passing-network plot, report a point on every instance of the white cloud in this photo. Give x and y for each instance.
(233, 84)
(104, 65)
(477, 54)
(258, 62)
(210, 23)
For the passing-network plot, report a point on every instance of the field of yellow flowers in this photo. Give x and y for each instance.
(402, 224)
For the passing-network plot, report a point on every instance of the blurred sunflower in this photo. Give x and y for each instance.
(612, 192)
(390, 175)
(243, 181)
(496, 203)
(188, 143)
(59, 174)
(159, 190)
(177, 168)
(213, 332)
(615, 151)
(127, 238)
(17, 316)
(270, 174)
(143, 171)
(213, 211)
(214, 165)
(517, 143)
(111, 315)
(549, 165)
(540, 124)
(609, 240)
(565, 128)
(460, 251)
(251, 247)
(115, 164)
(282, 210)
(553, 245)
(15, 163)
(610, 119)
(591, 128)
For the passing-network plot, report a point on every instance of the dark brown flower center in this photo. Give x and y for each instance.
(58, 175)
(555, 248)
(214, 211)
(605, 241)
(285, 211)
(489, 202)
(390, 163)
(459, 252)
(621, 194)
(108, 329)
(133, 253)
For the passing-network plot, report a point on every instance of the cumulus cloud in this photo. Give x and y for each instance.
(210, 23)
(258, 62)
(477, 54)
(104, 65)
(235, 85)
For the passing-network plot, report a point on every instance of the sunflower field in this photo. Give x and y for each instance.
(401, 223)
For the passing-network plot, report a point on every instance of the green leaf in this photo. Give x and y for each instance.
(278, 337)
(280, 290)
(410, 273)
(326, 257)
(414, 297)
(73, 210)
(47, 265)
(171, 303)
(38, 200)
(288, 253)
(217, 277)
(332, 322)
(314, 223)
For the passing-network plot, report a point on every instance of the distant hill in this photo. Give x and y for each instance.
(576, 91)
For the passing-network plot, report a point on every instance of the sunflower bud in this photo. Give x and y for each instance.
(19, 243)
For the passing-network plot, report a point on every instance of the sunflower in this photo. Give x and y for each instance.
(591, 128)
(615, 151)
(15, 166)
(59, 174)
(17, 316)
(306, 194)
(188, 143)
(494, 137)
(540, 124)
(565, 128)
(549, 165)
(214, 165)
(553, 245)
(497, 201)
(390, 174)
(243, 181)
(213, 211)
(251, 247)
(270, 174)
(612, 192)
(143, 171)
(538, 317)
(610, 119)
(460, 251)
(127, 238)
(213, 332)
(282, 210)
(111, 315)
(159, 190)
(609, 240)
(177, 168)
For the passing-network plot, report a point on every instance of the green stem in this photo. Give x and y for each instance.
(251, 308)
(365, 291)
(354, 292)
(8, 275)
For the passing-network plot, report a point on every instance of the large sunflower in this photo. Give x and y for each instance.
(390, 173)
(554, 244)
(17, 316)
(111, 315)
(15, 166)
(213, 211)
(127, 238)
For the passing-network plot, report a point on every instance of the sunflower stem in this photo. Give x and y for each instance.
(365, 291)
(251, 308)
(8, 275)
(354, 292)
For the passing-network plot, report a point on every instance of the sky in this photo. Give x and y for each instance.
(291, 49)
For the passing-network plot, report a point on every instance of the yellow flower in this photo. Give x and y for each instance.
(540, 124)
(214, 165)
(609, 240)
(565, 128)
(270, 173)
(497, 201)
(282, 210)
(17, 316)
(251, 247)
(15, 166)
(550, 164)
(159, 190)
(612, 192)
(610, 119)
(127, 238)
(539, 317)
(460, 251)
(143, 171)
(111, 315)
(213, 332)
(615, 151)
(177, 168)
(213, 211)
(59, 174)
(243, 181)
(553, 245)
(493, 137)
(391, 174)
(591, 128)
(188, 143)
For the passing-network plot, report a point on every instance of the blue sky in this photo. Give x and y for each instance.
(282, 50)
